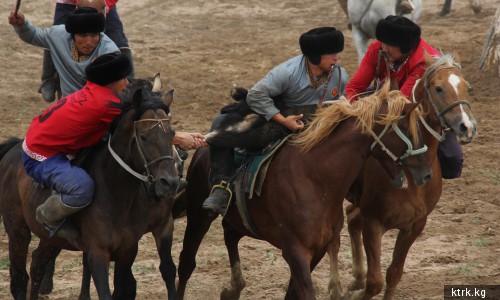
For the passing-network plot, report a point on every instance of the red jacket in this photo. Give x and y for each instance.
(74, 122)
(408, 73)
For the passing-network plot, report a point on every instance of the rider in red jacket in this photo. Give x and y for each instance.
(399, 51)
(398, 55)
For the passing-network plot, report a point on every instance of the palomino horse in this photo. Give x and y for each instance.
(377, 206)
(299, 209)
(136, 180)
(364, 15)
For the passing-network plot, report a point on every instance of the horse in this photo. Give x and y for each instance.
(474, 4)
(365, 14)
(377, 207)
(136, 179)
(301, 212)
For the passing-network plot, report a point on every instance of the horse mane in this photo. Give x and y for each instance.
(443, 61)
(365, 109)
(150, 100)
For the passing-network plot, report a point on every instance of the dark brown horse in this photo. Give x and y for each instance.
(378, 207)
(299, 209)
(136, 180)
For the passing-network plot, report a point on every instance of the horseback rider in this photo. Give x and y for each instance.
(74, 122)
(304, 80)
(398, 56)
(114, 30)
(72, 46)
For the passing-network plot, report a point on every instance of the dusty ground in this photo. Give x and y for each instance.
(203, 49)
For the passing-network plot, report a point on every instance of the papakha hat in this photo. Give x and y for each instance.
(398, 31)
(319, 41)
(108, 68)
(85, 20)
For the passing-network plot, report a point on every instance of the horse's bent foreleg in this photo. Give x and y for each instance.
(198, 223)
(98, 261)
(164, 238)
(403, 244)
(42, 257)
(86, 277)
(299, 261)
(47, 284)
(334, 286)
(124, 281)
(231, 239)
(358, 263)
(19, 239)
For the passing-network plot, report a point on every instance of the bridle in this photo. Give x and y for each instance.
(148, 178)
(428, 75)
(409, 152)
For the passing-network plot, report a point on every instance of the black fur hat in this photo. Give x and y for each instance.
(108, 68)
(399, 32)
(85, 20)
(319, 41)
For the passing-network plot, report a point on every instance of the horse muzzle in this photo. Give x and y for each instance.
(163, 188)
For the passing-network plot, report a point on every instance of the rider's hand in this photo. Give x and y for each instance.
(16, 19)
(188, 141)
(292, 122)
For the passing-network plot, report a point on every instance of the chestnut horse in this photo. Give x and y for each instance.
(299, 209)
(377, 206)
(135, 183)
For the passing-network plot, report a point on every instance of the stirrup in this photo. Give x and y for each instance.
(224, 185)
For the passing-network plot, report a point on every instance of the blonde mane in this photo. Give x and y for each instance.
(364, 109)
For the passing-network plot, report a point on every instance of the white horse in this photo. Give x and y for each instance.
(364, 15)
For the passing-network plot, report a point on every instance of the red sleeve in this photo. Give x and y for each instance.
(415, 74)
(111, 3)
(365, 74)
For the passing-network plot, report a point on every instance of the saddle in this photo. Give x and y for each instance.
(250, 177)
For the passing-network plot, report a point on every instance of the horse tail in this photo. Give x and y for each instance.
(8, 144)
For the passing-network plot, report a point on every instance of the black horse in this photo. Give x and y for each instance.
(136, 180)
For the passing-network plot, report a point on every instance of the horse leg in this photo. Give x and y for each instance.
(164, 238)
(360, 41)
(47, 284)
(98, 260)
(42, 256)
(354, 222)
(198, 223)
(372, 240)
(334, 286)
(231, 238)
(404, 241)
(124, 281)
(446, 8)
(299, 260)
(86, 277)
(19, 239)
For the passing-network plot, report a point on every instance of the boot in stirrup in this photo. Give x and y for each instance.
(219, 198)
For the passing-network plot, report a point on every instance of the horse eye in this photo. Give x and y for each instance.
(142, 137)
(439, 89)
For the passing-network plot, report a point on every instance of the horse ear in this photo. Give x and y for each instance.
(157, 83)
(428, 59)
(137, 98)
(169, 97)
(410, 107)
(456, 55)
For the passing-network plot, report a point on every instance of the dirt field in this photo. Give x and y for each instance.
(203, 49)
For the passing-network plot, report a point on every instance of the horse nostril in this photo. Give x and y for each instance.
(462, 127)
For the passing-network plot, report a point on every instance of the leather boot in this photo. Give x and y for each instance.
(52, 214)
(50, 79)
(219, 198)
(128, 53)
(406, 6)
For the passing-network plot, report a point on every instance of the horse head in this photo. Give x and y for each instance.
(398, 137)
(143, 138)
(445, 94)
